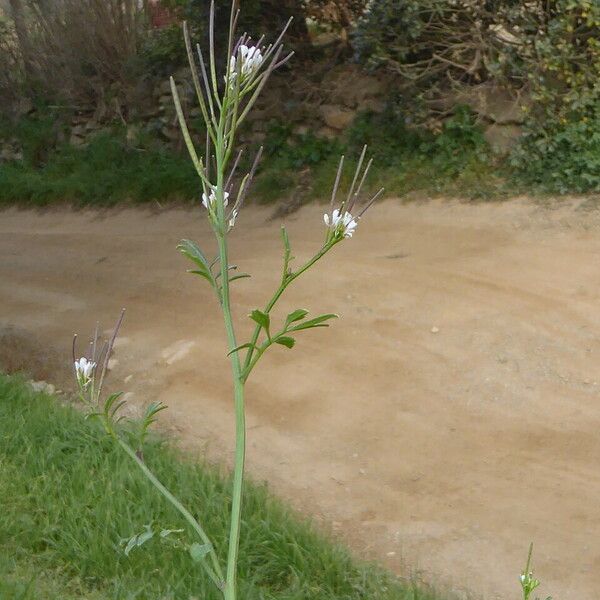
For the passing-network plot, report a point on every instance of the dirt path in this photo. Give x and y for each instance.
(451, 416)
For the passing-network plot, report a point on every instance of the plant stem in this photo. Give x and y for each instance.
(216, 575)
(286, 280)
(240, 432)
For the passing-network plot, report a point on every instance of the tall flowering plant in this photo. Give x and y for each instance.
(225, 102)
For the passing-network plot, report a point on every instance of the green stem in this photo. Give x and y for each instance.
(286, 280)
(240, 432)
(216, 575)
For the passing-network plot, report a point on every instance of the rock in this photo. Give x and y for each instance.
(373, 105)
(42, 386)
(300, 130)
(133, 132)
(24, 106)
(336, 117)
(502, 138)
(351, 86)
(258, 137)
(76, 140)
(164, 87)
(8, 153)
(495, 103)
(170, 133)
(324, 39)
(78, 130)
(151, 111)
(101, 111)
(92, 125)
(435, 329)
(327, 133)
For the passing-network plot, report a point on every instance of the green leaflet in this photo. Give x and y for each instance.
(286, 341)
(316, 322)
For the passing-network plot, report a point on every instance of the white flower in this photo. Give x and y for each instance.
(341, 224)
(251, 59)
(84, 369)
(212, 197)
(233, 217)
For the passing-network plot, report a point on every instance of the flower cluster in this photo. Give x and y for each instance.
(84, 370)
(208, 201)
(250, 58)
(340, 224)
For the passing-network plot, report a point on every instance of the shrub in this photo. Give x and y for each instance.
(561, 58)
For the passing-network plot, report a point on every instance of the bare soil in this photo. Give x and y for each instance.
(450, 417)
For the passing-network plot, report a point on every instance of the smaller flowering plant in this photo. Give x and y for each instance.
(528, 582)
(84, 370)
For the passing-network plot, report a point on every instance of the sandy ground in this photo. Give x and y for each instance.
(448, 418)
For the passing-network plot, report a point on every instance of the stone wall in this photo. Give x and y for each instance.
(319, 98)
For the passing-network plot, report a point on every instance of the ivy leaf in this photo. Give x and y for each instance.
(316, 322)
(286, 341)
(199, 551)
(263, 319)
(296, 315)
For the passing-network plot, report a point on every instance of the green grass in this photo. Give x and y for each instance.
(68, 496)
(112, 169)
(107, 171)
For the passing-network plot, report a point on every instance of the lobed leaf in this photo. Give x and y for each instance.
(296, 315)
(192, 251)
(261, 318)
(286, 341)
(316, 322)
(241, 347)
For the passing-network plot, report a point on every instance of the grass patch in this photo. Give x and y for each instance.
(109, 170)
(114, 168)
(68, 495)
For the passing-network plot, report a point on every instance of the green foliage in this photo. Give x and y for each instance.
(294, 151)
(36, 135)
(68, 497)
(560, 158)
(444, 154)
(561, 149)
(163, 50)
(108, 170)
(114, 169)
(459, 141)
(549, 52)
(387, 136)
